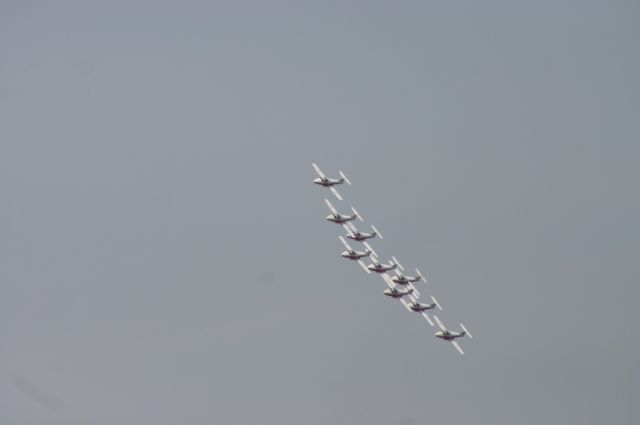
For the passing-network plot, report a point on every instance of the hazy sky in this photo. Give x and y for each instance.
(163, 254)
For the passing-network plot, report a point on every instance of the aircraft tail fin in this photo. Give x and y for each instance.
(465, 331)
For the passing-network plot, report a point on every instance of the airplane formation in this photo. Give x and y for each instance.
(400, 286)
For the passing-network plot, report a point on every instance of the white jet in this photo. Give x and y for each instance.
(396, 293)
(352, 254)
(354, 234)
(336, 217)
(450, 336)
(325, 181)
(421, 308)
(401, 279)
(378, 267)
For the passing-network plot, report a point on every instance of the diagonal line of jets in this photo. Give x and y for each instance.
(400, 286)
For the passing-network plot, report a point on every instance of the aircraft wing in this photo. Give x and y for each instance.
(440, 325)
(366, 245)
(348, 228)
(330, 205)
(335, 192)
(346, 245)
(426, 316)
(455, 344)
(396, 262)
(405, 303)
(388, 281)
(364, 266)
(318, 170)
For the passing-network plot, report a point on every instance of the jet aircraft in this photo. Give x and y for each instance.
(378, 267)
(421, 308)
(401, 279)
(352, 254)
(451, 336)
(354, 234)
(336, 217)
(325, 181)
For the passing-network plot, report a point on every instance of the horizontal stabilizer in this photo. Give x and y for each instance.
(436, 302)
(345, 178)
(466, 331)
(356, 214)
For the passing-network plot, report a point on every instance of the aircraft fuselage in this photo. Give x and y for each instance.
(354, 255)
(361, 236)
(404, 280)
(380, 268)
(327, 182)
(417, 307)
(339, 218)
(395, 293)
(449, 336)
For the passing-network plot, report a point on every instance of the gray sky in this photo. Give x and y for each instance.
(163, 253)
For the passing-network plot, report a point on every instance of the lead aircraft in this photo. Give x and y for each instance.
(451, 336)
(327, 182)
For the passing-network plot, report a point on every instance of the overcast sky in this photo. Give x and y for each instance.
(164, 257)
